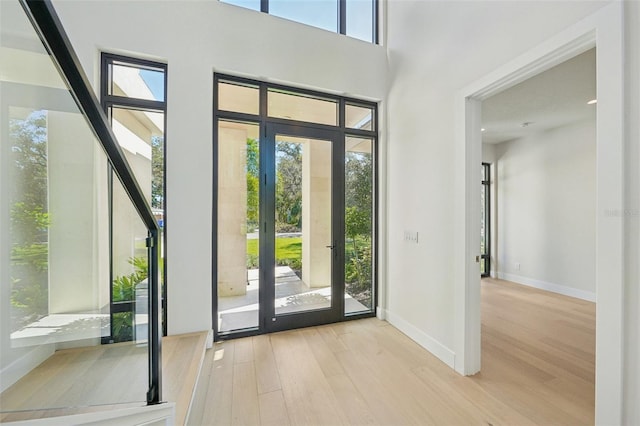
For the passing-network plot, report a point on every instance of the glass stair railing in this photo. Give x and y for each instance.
(58, 285)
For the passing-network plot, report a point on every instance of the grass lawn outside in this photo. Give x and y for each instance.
(286, 248)
(290, 249)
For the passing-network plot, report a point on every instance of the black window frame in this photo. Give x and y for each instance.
(262, 119)
(485, 258)
(108, 101)
(342, 17)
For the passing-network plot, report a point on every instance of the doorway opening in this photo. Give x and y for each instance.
(602, 30)
(540, 138)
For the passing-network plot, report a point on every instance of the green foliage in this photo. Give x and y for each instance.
(288, 253)
(30, 298)
(293, 263)
(124, 286)
(357, 221)
(288, 248)
(124, 290)
(289, 184)
(253, 202)
(122, 327)
(35, 256)
(29, 219)
(359, 180)
(29, 293)
(157, 172)
(253, 261)
(29, 155)
(29, 223)
(358, 225)
(358, 265)
(253, 157)
(253, 184)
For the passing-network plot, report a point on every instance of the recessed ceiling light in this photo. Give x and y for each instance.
(592, 101)
(483, 129)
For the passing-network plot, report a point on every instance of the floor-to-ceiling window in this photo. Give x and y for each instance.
(133, 93)
(294, 196)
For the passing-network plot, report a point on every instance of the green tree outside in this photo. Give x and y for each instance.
(29, 219)
(358, 225)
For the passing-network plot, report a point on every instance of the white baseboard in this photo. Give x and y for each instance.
(209, 339)
(23, 365)
(543, 285)
(439, 350)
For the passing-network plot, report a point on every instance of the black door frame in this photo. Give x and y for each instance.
(263, 119)
(485, 257)
(269, 321)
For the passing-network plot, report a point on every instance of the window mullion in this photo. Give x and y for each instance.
(342, 16)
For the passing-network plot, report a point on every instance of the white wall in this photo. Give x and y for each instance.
(547, 210)
(195, 38)
(435, 49)
(631, 414)
(73, 285)
(488, 153)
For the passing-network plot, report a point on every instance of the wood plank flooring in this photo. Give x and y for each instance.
(538, 356)
(105, 377)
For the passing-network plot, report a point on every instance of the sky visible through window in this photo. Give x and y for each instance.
(318, 13)
(321, 14)
(155, 82)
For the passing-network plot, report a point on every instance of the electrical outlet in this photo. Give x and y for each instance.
(517, 266)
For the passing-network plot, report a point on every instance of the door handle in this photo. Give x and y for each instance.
(331, 247)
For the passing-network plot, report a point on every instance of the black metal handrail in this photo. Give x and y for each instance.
(45, 20)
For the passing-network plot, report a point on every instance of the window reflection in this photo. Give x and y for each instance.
(295, 106)
(360, 19)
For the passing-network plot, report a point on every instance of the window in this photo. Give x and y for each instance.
(237, 97)
(355, 18)
(294, 207)
(301, 107)
(134, 98)
(317, 13)
(485, 221)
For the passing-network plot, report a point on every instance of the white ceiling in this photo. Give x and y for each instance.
(554, 98)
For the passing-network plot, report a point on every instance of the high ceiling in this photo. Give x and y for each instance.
(554, 98)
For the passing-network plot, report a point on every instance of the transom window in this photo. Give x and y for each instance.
(355, 18)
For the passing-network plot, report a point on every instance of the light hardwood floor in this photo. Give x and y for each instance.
(105, 377)
(537, 368)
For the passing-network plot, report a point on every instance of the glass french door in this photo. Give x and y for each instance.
(280, 216)
(300, 252)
